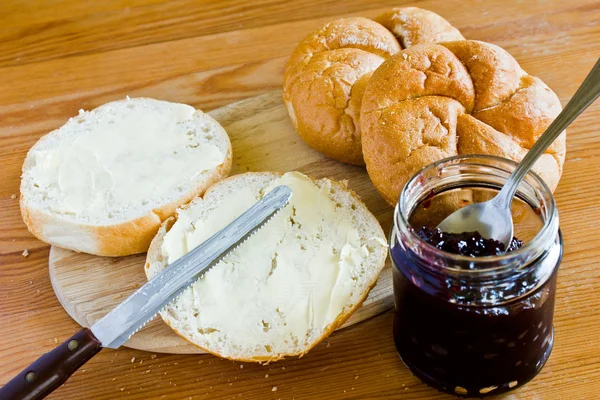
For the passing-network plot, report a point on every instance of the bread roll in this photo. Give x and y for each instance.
(413, 25)
(104, 182)
(465, 97)
(287, 287)
(328, 71)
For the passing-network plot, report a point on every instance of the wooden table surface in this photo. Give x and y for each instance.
(57, 56)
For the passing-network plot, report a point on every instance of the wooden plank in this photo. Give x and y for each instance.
(61, 28)
(17, 13)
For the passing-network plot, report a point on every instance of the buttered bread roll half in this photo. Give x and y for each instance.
(326, 75)
(105, 181)
(289, 285)
(433, 101)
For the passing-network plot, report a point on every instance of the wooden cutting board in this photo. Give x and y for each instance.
(263, 139)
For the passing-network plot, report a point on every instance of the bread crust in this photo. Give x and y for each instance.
(465, 97)
(328, 71)
(155, 257)
(414, 25)
(120, 239)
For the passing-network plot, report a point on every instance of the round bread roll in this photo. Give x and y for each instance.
(288, 286)
(328, 71)
(105, 181)
(465, 97)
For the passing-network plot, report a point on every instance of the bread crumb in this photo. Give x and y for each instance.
(200, 362)
(274, 389)
(147, 371)
(122, 389)
(13, 196)
(132, 359)
(25, 253)
(266, 375)
(328, 345)
(55, 341)
(356, 377)
(117, 296)
(153, 356)
(241, 366)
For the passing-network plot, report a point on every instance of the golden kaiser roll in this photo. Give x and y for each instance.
(433, 101)
(328, 71)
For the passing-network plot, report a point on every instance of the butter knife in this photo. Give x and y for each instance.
(55, 367)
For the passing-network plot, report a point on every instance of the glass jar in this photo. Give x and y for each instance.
(474, 326)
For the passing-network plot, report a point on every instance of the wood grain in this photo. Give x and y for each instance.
(73, 67)
(51, 35)
(263, 139)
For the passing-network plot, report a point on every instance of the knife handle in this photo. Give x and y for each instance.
(52, 369)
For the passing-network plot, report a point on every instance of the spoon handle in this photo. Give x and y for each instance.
(585, 95)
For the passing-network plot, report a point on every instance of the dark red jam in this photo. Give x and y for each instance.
(470, 244)
(451, 339)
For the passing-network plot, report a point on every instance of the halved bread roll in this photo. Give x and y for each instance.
(290, 285)
(104, 182)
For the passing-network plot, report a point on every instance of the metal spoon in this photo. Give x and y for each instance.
(493, 218)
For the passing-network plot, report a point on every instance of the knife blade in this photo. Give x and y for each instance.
(54, 368)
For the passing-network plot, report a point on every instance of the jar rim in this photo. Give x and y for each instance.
(487, 264)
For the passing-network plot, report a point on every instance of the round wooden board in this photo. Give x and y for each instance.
(263, 139)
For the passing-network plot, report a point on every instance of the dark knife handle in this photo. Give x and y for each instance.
(53, 368)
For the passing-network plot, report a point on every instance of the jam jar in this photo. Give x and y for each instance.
(474, 326)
